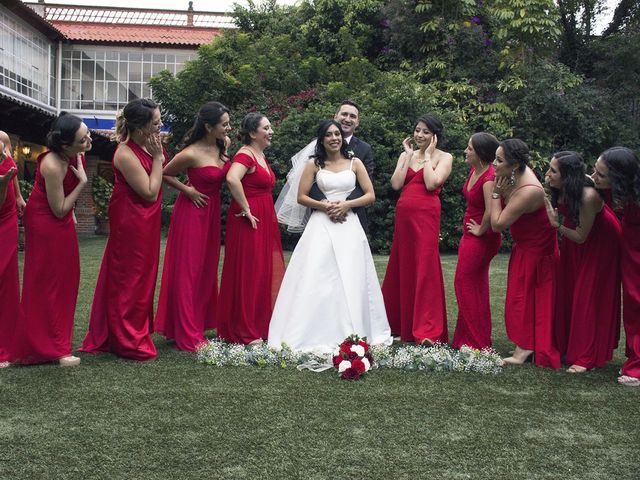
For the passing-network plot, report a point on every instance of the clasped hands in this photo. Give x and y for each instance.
(336, 209)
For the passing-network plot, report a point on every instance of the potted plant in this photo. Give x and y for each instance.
(102, 189)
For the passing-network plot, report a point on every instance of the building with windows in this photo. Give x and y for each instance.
(90, 61)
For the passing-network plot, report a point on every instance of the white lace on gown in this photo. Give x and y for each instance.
(330, 289)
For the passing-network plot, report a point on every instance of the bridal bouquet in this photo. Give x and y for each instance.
(353, 359)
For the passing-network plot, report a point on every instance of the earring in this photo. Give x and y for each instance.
(512, 178)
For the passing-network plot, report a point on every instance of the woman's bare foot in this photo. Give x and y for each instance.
(520, 355)
(69, 361)
(576, 369)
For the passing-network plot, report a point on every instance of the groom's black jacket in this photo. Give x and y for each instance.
(361, 150)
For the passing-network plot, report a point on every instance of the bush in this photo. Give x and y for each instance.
(102, 190)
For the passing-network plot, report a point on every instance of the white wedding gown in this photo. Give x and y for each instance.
(330, 289)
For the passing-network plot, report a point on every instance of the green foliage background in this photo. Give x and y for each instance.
(507, 67)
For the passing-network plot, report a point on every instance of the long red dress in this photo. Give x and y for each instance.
(189, 289)
(531, 284)
(122, 311)
(631, 287)
(253, 260)
(51, 277)
(413, 287)
(9, 278)
(472, 272)
(588, 301)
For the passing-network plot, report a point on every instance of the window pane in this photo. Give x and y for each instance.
(112, 91)
(87, 90)
(135, 72)
(111, 70)
(135, 90)
(100, 70)
(100, 93)
(88, 70)
(123, 72)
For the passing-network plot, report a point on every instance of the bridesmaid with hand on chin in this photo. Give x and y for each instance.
(413, 286)
(51, 255)
(478, 246)
(122, 311)
(253, 260)
(618, 170)
(586, 326)
(189, 289)
(517, 203)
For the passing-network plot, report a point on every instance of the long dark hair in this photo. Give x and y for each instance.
(485, 146)
(573, 172)
(63, 132)
(624, 173)
(210, 113)
(516, 152)
(321, 153)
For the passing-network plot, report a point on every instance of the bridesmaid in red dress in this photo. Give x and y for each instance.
(122, 311)
(413, 286)
(589, 262)
(478, 246)
(11, 206)
(253, 261)
(189, 289)
(517, 203)
(51, 257)
(618, 170)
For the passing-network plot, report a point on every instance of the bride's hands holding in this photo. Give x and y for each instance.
(338, 209)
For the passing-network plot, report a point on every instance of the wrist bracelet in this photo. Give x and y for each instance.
(495, 195)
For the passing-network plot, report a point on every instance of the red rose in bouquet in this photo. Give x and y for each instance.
(358, 365)
(351, 374)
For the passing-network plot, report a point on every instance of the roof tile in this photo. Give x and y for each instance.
(148, 34)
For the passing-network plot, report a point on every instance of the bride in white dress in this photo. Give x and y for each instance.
(330, 289)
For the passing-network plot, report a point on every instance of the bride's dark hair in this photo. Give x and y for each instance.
(321, 154)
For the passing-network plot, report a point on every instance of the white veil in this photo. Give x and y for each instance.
(288, 210)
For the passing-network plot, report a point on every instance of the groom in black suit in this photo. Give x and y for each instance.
(348, 116)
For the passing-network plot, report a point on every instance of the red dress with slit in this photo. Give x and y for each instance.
(531, 284)
(588, 301)
(51, 277)
(253, 260)
(189, 288)
(122, 312)
(586, 322)
(472, 272)
(413, 286)
(630, 262)
(10, 312)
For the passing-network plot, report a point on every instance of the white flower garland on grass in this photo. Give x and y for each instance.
(439, 358)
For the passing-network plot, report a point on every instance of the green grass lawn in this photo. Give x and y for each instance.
(172, 418)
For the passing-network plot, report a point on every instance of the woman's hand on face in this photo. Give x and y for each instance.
(473, 227)
(78, 171)
(432, 145)
(197, 198)
(552, 213)
(500, 185)
(408, 148)
(154, 146)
